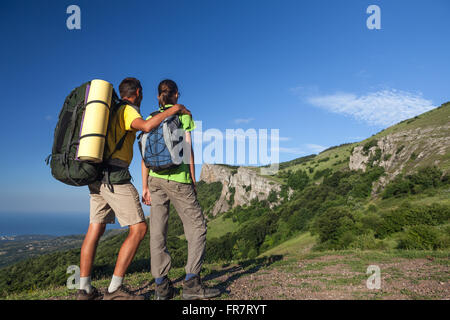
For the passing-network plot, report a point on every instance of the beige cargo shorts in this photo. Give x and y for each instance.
(122, 202)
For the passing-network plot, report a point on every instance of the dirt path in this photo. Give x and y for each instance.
(341, 277)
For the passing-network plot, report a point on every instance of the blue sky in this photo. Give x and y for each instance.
(309, 68)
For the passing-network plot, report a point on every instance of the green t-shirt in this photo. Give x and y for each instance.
(180, 173)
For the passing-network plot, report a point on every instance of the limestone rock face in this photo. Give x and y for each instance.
(358, 160)
(402, 152)
(240, 185)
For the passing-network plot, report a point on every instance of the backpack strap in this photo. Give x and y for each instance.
(97, 101)
(154, 113)
(118, 145)
(121, 102)
(107, 167)
(121, 141)
(161, 109)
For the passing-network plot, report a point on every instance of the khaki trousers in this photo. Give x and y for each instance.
(184, 199)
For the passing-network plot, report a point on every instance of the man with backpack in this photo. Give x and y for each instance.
(115, 196)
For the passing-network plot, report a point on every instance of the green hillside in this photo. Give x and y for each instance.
(336, 205)
(50, 269)
(330, 208)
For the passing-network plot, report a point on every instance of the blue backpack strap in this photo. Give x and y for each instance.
(154, 113)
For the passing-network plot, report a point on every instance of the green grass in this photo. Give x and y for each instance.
(220, 226)
(295, 245)
(342, 154)
(441, 196)
(48, 293)
(268, 177)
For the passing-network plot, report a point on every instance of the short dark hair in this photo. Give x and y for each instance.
(128, 87)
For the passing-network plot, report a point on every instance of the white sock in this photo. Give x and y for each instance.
(116, 282)
(85, 284)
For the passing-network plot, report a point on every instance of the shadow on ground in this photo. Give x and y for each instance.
(230, 272)
(243, 268)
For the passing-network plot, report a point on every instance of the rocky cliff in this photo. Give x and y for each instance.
(240, 185)
(402, 152)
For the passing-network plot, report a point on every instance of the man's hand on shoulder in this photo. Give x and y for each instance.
(148, 125)
(182, 109)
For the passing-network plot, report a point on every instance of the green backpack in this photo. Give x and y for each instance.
(63, 163)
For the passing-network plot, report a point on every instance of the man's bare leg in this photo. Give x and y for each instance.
(129, 247)
(126, 254)
(87, 255)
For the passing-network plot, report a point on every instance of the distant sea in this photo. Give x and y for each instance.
(55, 224)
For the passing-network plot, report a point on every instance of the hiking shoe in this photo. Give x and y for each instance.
(93, 295)
(194, 289)
(122, 293)
(164, 291)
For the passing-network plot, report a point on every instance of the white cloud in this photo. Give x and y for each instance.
(243, 120)
(385, 107)
(315, 147)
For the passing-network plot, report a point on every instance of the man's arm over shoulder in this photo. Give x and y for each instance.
(153, 122)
